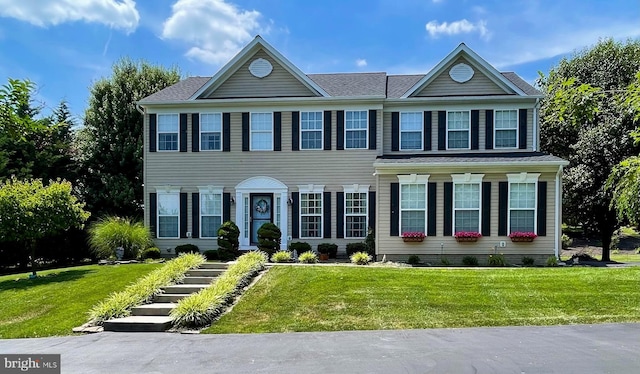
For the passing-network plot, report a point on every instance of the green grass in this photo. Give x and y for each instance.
(625, 257)
(58, 300)
(364, 298)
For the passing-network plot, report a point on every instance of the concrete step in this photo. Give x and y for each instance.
(138, 324)
(169, 297)
(184, 288)
(156, 309)
(204, 272)
(198, 280)
(214, 265)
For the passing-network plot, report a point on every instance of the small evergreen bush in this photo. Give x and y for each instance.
(211, 255)
(552, 261)
(356, 247)
(228, 244)
(329, 248)
(360, 258)
(413, 260)
(497, 260)
(299, 247)
(444, 261)
(470, 261)
(281, 256)
(528, 261)
(308, 258)
(152, 253)
(269, 238)
(187, 248)
(370, 242)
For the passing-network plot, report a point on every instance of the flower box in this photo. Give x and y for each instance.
(467, 236)
(407, 239)
(520, 239)
(466, 239)
(522, 236)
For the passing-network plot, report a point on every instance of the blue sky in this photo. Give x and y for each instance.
(66, 45)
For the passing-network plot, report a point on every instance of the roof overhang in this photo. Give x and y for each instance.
(243, 102)
(387, 167)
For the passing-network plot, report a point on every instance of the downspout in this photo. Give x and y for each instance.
(377, 231)
(558, 214)
(536, 133)
(145, 139)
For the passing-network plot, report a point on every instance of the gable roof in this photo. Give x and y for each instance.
(352, 84)
(182, 90)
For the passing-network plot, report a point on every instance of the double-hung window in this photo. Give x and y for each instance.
(467, 202)
(210, 211)
(311, 211)
(458, 130)
(356, 129)
(311, 130)
(506, 129)
(355, 211)
(410, 131)
(522, 202)
(168, 214)
(168, 127)
(413, 203)
(210, 131)
(262, 131)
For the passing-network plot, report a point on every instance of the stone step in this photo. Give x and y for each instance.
(184, 288)
(214, 265)
(155, 309)
(169, 297)
(204, 272)
(198, 280)
(138, 324)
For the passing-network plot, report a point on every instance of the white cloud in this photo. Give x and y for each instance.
(215, 30)
(361, 62)
(119, 14)
(463, 26)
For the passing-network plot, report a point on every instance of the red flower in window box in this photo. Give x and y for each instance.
(467, 236)
(520, 236)
(413, 236)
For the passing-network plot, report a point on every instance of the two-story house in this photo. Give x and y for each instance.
(327, 156)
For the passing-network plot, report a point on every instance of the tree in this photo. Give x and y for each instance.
(581, 121)
(111, 141)
(30, 211)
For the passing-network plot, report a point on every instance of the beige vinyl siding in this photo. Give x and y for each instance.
(543, 245)
(479, 84)
(280, 83)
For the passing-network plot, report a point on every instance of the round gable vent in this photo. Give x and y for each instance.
(461, 73)
(260, 68)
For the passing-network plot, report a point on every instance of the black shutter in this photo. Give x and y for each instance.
(183, 214)
(195, 215)
(195, 132)
(372, 210)
(442, 130)
(295, 131)
(394, 230)
(340, 215)
(226, 132)
(426, 131)
(327, 130)
(152, 132)
(245, 131)
(340, 129)
(488, 129)
(153, 213)
(486, 208)
(326, 206)
(475, 129)
(395, 131)
(523, 128)
(295, 216)
(431, 208)
(373, 124)
(542, 209)
(277, 131)
(448, 209)
(183, 132)
(503, 195)
(226, 207)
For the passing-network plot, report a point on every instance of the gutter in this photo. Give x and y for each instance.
(267, 100)
(558, 214)
(448, 165)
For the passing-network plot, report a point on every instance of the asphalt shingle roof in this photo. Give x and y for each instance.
(398, 85)
(352, 84)
(520, 83)
(179, 91)
(514, 157)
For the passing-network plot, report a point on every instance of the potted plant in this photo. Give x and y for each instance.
(520, 236)
(327, 251)
(467, 236)
(413, 236)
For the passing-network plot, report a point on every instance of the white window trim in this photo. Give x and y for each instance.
(251, 131)
(414, 179)
(311, 188)
(495, 130)
(321, 131)
(421, 116)
(366, 129)
(466, 178)
(208, 132)
(355, 188)
(214, 191)
(523, 178)
(469, 131)
(166, 132)
(166, 190)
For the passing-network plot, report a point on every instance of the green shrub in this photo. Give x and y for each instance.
(566, 241)
(370, 242)
(330, 248)
(528, 261)
(552, 261)
(299, 247)
(360, 258)
(211, 255)
(110, 233)
(413, 260)
(497, 260)
(187, 248)
(469, 261)
(356, 247)
(281, 256)
(119, 304)
(227, 255)
(308, 258)
(444, 261)
(152, 253)
(269, 238)
(228, 244)
(202, 308)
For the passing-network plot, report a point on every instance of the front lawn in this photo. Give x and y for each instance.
(332, 298)
(58, 300)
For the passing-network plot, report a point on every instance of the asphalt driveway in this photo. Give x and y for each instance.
(606, 348)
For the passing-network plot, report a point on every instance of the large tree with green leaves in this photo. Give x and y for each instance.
(111, 141)
(581, 121)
